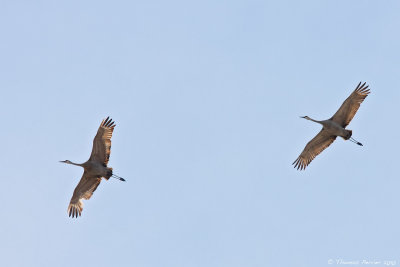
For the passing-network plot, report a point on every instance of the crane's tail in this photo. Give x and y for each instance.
(111, 174)
(348, 134)
(355, 141)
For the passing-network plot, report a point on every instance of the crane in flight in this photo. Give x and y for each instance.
(333, 127)
(94, 168)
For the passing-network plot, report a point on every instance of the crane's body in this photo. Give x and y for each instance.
(333, 127)
(94, 169)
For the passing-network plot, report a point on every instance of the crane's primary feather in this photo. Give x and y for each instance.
(321, 141)
(102, 142)
(351, 105)
(84, 190)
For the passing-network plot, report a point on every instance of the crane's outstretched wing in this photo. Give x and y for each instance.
(102, 142)
(321, 141)
(84, 190)
(350, 106)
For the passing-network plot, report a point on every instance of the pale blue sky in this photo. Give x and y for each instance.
(207, 97)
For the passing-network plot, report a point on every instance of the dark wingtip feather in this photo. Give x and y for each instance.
(299, 164)
(74, 212)
(108, 122)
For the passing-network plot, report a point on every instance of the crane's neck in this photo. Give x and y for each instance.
(73, 163)
(308, 118)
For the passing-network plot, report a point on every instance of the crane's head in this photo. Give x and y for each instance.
(66, 161)
(305, 117)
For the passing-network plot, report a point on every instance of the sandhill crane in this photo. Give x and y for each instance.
(94, 169)
(333, 127)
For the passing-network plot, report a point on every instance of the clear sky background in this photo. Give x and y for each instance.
(207, 97)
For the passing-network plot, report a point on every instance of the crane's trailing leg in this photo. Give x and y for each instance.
(110, 174)
(355, 141)
(119, 178)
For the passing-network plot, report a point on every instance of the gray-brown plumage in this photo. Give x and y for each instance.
(333, 127)
(94, 169)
